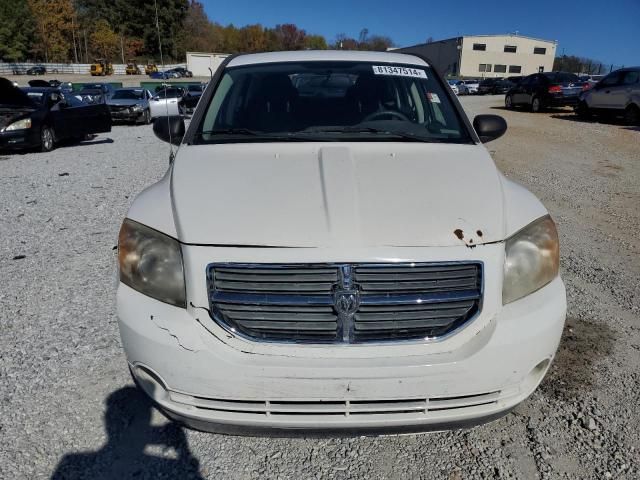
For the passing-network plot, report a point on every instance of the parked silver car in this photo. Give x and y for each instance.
(617, 94)
(130, 105)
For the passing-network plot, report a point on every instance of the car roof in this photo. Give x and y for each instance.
(326, 55)
(40, 89)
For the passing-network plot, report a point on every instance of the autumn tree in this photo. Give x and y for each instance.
(252, 38)
(53, 28)
(104, 40)
(315, 42)
(289, 37)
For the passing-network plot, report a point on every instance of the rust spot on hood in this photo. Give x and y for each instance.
(459, 233)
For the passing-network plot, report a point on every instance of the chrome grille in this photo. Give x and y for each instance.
(345, 303)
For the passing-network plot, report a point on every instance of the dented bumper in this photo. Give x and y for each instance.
(209, 379)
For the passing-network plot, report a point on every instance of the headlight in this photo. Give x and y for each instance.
(151, 263)
(136, 108)
(19, 125)
(532, 259)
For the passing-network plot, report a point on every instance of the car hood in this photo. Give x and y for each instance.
(12, 97)
(323, 195)
(124, 101)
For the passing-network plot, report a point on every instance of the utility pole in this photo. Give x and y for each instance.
(86, 49)
(73, 34)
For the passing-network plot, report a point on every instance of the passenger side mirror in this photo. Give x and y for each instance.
(489, 127)
(169, 129)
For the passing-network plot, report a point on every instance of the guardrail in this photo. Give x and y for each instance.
(72, 68)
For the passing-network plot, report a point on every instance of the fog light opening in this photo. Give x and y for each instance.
(537, 374)
(150, 383)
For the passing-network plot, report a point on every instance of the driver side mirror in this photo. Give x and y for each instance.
(489, 127)
(169, 129)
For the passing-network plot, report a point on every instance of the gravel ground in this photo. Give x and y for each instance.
(67, 403)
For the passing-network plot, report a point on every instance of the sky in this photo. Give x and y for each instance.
(608, 31)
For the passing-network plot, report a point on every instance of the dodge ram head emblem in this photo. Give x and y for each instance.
(346, 302)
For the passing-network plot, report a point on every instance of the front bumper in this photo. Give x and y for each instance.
(19, 139)
(209, 379)
(126, 115)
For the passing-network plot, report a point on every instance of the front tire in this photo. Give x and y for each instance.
(46, 139)
(632, 115)
(146, 117)
(582, 110)
(508, 102)
(536, 105)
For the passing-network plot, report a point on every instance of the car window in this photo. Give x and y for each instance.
(331, 101)
(73, 101)
(611, 79)
(631, 78)
(128, 94)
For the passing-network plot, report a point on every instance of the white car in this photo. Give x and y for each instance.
(454, 86)
(352, 263)
(168, 101)
(471, 86)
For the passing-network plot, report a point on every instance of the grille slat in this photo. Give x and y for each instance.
(300, 302)
(285, 324)
(429, 285)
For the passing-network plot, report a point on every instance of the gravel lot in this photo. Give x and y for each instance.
(67, 403)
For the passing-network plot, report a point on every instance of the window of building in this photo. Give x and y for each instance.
(515, 69)
(510, 48)
(484, 67)
(539, 51)
(480, 46)
(500, 68)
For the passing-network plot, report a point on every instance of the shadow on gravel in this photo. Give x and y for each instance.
(525, 109)
(604, 120)
(583, 345)
(126, 455)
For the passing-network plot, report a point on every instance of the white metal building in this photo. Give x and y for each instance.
(200, 63)
(481, 56)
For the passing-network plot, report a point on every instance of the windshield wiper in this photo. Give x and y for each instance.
(229, 131)
(248, 133)
(356, 129)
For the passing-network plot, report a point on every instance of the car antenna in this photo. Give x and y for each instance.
(166, 103)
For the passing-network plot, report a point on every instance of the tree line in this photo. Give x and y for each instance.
(82, 30)
(572, 63)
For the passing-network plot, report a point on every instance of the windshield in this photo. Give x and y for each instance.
(330, 101)
(127, 95)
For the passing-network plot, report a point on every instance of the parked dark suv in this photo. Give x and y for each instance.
(541, 90)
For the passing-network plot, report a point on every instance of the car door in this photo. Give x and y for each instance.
(621, 92)
(518, 96)
(600, 96)
(59, 115)
(86, 118)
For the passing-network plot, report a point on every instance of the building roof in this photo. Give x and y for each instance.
(483, 35)
(326, 55)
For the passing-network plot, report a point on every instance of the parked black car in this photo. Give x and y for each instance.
(515, 79)
(39, 117)
(541, 90)
(193, 94)
(96, 92)
(37, 70)
(489, 86)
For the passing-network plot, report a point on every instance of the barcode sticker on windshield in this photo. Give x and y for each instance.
(399, 71)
